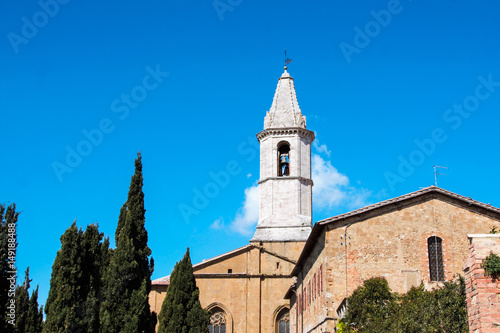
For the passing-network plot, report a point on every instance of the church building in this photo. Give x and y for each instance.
(292, 277)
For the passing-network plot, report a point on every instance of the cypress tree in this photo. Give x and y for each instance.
(8, 223)
(22, 303)
(121, 222)
(127, 280)
(75, 286)
(181, 311)
(64, 300)
(95, 255)
(34, 319)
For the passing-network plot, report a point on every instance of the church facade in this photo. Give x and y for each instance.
(292, 277)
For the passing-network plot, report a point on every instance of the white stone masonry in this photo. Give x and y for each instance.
(285, 207)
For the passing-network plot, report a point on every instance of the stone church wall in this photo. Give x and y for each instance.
(391, 243)
(312, 291)
(251, 293)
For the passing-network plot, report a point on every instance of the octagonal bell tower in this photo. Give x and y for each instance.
(285, 185)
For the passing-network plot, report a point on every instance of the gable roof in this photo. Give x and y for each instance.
(420, 193)
(425, 194)
(207, 262)
(163, 281)
(224, 256)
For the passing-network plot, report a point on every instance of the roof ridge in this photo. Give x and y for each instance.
(205, 261)
(166, 279)
(407, 196)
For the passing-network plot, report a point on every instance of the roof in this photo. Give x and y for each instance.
(163, 281)
(291, 290)
(430, 189)
(284, 111)
(207, 262)
(379, 208)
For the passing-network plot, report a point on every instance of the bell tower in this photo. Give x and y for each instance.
(285, 185)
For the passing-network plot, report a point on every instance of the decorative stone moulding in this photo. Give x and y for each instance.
(287, 178)
(285, 132)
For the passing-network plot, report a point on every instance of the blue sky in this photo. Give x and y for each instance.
(390, 88)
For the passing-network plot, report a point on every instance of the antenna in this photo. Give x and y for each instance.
(436, 173)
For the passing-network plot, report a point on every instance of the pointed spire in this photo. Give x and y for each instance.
(285, 111)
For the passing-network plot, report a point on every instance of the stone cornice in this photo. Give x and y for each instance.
(239, 276)
(286, 131)
(301, 179)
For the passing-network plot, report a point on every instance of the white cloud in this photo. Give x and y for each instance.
(248, 215)
(332, 188)
(329, 183)
(321, 148)
(217, 224)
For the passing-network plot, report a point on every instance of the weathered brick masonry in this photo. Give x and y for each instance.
(388, 239)
(483, 292)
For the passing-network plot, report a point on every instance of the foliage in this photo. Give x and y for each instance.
(64, 284)
(371, 309)
(8, 218)
(415, 312)
(369, 306)
(181, 311)
(439, 310)
(491, 264)
(75, 285)
(29, 318)
(494, 230)
(22, 303)
(34, 319)
(127, 279)
(451, 303)
(95, 289)
(340, 327)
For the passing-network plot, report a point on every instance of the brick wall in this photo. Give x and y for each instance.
(483, 292)
(391, 242)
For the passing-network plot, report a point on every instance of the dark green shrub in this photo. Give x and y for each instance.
(491, 264)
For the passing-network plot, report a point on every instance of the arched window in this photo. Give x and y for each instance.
(283, 159)
(218, 321)
(283, 321)
(435, 249)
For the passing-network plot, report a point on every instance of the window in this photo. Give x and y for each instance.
(310, 292)
(320, 279)
(314, 286)
(283, 159)
(435, 249)
(283, 321)
(217, 321)
(304, 301)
